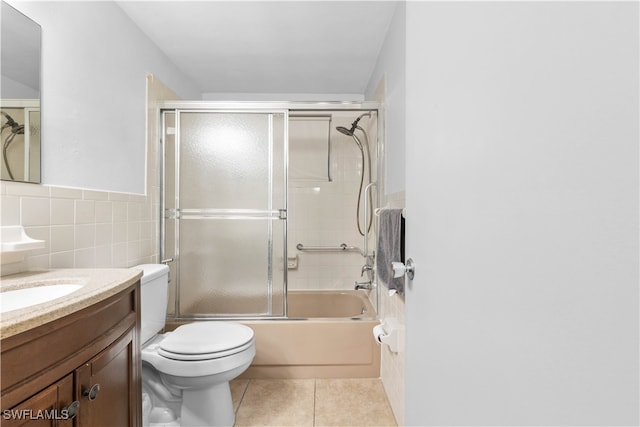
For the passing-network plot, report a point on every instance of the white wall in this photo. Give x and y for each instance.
(95, 62)
(387, 84)
(88, 228)
(522, 204)
(391, 66)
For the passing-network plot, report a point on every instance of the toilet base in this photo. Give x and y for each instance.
(208, 407)
(201, 386)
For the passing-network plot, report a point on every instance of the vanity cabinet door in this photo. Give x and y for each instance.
(50, 366)
(53, 406)
(106, 388)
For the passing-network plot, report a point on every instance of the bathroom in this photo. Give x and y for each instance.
(444, 120)
(93, 228)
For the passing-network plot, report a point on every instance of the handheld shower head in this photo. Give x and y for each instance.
(16, 128)
(366, 166)
(344, 130)
(365, 114)
(354, 125)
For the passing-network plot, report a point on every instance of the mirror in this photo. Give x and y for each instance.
(20, 41)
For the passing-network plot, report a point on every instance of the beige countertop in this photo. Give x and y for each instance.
(98, 284)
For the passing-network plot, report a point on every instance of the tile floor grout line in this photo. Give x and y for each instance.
(331, 420)
(315, 396)
(386, 398)
(242, 397)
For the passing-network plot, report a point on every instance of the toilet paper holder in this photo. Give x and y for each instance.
(400, 269)
(390, 332)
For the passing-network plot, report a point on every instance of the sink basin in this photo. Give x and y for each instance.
(21, 298)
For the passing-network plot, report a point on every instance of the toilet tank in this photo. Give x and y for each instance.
(154, 290)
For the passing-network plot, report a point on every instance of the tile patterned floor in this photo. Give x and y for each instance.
(311, 402)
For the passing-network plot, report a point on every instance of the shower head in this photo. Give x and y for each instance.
(16, 128)
(354, 125)
(344, 130)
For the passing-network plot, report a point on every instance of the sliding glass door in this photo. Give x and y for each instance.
(225, 212)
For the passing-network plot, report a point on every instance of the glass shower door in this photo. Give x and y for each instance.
(225, 212)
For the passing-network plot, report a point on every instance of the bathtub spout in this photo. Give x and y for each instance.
(363, 285)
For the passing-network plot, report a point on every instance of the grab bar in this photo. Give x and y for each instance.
(342, 247)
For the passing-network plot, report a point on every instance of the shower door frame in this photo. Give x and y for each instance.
(261, 108)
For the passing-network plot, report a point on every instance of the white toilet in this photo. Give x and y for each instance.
(187, 370)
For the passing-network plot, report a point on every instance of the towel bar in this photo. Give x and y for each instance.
(377, 212)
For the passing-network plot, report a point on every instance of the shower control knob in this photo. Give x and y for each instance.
(400, 269)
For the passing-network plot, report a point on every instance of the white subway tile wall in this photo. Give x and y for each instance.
(82, 229)
(88, 228)
(10, 212)
(34, 211)
(323, 213)
(62, 211)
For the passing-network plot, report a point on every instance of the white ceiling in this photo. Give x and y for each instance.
(320, 47)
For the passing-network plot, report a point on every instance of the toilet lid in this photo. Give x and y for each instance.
(206, 340)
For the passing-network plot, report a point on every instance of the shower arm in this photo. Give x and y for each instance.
(366, 209)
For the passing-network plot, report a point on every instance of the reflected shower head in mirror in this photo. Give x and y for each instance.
(15, 129)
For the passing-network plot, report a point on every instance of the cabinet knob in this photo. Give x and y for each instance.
(92, 392)
(72, 410)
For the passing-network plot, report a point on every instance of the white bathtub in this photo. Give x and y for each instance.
(328, 335)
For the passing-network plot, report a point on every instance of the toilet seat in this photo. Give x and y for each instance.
(211, 364)
(206, 341)
(204, 356)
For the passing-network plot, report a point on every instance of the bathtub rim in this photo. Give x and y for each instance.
(362, 294)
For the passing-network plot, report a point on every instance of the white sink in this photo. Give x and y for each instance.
(21, 298)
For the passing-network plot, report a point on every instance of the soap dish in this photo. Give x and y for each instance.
(14, 239)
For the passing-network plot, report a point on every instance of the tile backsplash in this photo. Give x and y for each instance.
(81, 228)
(88, 228)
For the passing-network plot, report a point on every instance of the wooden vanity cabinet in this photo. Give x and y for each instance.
(40, 410)
(104, 384)
(86, 363)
